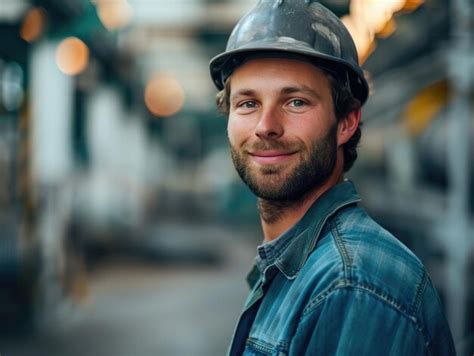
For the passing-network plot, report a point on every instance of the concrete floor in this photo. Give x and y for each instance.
(141, 308)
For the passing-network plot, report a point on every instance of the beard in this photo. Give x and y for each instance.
(272, 184)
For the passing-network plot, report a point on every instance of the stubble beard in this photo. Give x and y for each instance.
(278, 190)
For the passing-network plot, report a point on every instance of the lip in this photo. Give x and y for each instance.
(271, 156)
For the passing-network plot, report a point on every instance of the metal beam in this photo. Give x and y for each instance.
(458, 236)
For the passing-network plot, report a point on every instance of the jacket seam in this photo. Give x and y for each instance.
(419, 295)
(316, 232)
(317, 301)
(346, 260)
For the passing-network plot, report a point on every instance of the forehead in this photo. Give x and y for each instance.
(271, 72)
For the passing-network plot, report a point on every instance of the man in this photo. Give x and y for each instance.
(328, 280)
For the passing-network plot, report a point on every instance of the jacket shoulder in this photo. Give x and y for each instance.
(356, 253)
(361, 254)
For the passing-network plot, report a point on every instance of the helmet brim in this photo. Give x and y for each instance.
(223, 65)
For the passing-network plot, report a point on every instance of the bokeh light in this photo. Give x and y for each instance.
(164, 95)
(114, 14)
(72, 56)
(33, 24)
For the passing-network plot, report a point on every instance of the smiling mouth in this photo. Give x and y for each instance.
(271, 157)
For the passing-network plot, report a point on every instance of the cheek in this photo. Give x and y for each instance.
(310, 125)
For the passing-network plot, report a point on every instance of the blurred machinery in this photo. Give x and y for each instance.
(45, 46)
(89, 159)
(418, 134)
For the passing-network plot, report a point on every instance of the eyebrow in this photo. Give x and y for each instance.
(242, 93)
(284, 91)
(301, 89)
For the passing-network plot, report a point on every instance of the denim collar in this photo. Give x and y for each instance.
(290, 250)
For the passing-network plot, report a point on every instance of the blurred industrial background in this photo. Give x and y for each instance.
(123, 227)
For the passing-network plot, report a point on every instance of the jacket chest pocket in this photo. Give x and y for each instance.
(255, 347)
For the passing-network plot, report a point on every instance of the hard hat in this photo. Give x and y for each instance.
(292, 29)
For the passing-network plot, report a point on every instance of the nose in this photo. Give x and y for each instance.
(270, 125)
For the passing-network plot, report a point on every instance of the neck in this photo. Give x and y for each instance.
(278, 216)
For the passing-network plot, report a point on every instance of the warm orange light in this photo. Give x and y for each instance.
(370, 18)
(425, 107)
(72, 56)
(411, 5)
(388, 30)
(33, 24)
(114, 14)
(164, 96)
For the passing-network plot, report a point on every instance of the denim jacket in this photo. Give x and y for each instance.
(337, 283)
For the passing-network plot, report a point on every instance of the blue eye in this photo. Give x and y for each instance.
(249, 104)
(298, 103)
(246, 107)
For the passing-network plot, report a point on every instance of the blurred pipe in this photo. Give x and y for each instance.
(51, 97)
(459, 236)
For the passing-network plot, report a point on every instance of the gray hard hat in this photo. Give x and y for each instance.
(292, 29)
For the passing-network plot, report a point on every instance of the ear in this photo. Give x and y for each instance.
(347, 126)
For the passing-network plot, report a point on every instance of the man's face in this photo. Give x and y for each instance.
(282, 128)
